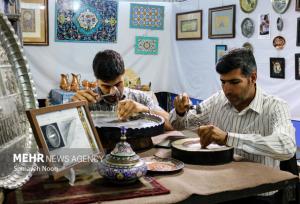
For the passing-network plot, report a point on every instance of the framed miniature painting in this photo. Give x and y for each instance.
(221, 22)
(298, 32)
(34, 22)
(189, 25)
(297, 66)
(277, 68)
(264, 26)
(65, 134)
(220, 51)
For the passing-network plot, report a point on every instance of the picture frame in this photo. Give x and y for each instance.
(297, 66)
(298, 32)
(248, 6)
(34, 22)
(297, 7)
(65, 131)
(189, 25)
(220, 51)
(221, 22)
(277, 68)
(264, 26)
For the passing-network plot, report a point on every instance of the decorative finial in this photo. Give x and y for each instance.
(123, 133)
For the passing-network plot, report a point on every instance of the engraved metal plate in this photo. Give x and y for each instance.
(247, 27)
(280, 6)
(17, 94)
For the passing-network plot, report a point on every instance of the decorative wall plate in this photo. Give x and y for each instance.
(248, 5)
(279, 23)
(280, 6)
(247, 27)
(279, 42)
(248, 46)
(17, 94)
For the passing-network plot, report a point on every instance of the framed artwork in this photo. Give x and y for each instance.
(298, 32)
(146, 45)
(65, 134)
(297, 8)
(297, 66)
(220, 51)
(34, 22)
(248, 5)
(221, 22)
(144, 16)
(264, 26)
(280, 6)
(277, 68)
(189, 25)
(86, 21)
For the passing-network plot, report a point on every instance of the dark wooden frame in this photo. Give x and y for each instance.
(43, 40)
(297, 66)
(40, 139)
(297, 6)
(178, 15)
(298, 32)
(210, 23)
(281, 61)
(216, 51)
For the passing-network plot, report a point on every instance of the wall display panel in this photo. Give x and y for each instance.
(86, 21)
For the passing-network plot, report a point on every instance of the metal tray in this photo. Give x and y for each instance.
(15, 134)
(140, 129)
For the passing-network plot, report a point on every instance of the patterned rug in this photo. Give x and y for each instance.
(87, 189)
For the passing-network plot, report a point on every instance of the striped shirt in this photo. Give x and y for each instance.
(261, 133)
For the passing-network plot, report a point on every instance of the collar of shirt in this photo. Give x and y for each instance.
(255, 105)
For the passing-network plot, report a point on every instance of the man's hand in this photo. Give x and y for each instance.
(85, 95)
(182, 103)
(128, 107)
(209, 134)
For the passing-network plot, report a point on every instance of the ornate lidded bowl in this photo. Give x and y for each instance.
(122, 165)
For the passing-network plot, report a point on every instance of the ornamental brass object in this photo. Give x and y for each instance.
(75, 84)
(17, 94)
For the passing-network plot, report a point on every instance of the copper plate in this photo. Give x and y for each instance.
(163, 165)
(279, 42)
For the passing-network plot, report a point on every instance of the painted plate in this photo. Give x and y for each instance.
(248, 46)
(163, 165)
(247, 27)
(279, 23)
(248, 5)
(280, 6)
(279, 42)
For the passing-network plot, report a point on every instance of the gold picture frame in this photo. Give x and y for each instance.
(189, 25)
(65, 134)
(221, 22)
(34, 22)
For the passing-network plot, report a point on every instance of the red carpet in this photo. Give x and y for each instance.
(87, 189)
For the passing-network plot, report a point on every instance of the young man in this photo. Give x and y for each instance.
(257, 125)
(109, 71)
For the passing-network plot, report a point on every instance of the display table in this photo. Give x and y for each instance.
(205, 184)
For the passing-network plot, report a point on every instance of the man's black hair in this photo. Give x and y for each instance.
(240, 58)
(108, 65)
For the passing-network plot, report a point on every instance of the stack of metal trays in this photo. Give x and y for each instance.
(140, 129)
